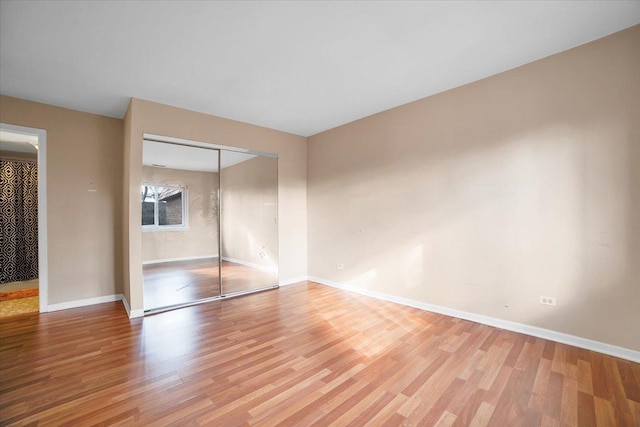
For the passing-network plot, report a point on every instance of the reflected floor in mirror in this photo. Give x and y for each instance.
(182, 282)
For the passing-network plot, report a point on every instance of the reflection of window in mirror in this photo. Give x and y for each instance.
(163, 207)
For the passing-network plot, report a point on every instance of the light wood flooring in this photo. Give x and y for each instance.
(305, 354)
(181, 282)
(16, 306)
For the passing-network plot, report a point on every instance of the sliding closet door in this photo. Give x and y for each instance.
(249, 221)
(180, 224)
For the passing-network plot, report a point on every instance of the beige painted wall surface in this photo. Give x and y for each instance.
(485, 197)
(200, 238)
(249, 211)
(84, 151)
(150, 117)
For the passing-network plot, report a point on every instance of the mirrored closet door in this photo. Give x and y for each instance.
(249, 221)
(209, 223)
(180, 224)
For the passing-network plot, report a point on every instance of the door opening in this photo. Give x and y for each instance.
(12, 138)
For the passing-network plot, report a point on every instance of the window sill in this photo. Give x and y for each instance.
(152, 228)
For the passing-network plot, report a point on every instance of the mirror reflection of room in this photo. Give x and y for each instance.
(179, 224)
(209, 223)
(249, 221)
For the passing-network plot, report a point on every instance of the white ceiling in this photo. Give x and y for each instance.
(184, 157)
(18, 142)
(301, 67)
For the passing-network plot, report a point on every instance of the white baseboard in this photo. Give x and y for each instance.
(190, 258)
(127, 308)
(292, 281)
(600, 347)
(250, 264)
(83, 302)
(97, 300)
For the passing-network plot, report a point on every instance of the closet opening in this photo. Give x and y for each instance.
(209, 223)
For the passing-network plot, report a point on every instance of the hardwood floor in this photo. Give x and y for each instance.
(303, 355)
(181, 282)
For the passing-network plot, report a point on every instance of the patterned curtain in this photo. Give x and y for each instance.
(18, 221)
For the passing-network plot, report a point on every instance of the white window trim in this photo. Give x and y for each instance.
(185, 214)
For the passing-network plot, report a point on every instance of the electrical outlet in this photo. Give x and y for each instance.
(548, 301)
(340, 266)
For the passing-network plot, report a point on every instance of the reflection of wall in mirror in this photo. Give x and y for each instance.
(200, 238)
(249, 212)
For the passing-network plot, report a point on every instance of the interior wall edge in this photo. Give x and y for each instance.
(131, 314)
(126, 163)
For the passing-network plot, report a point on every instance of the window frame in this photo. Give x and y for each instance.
(156, 217)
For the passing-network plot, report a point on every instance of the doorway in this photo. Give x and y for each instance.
(209, 223)
(23, 224)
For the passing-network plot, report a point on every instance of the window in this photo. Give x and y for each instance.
(163, 206)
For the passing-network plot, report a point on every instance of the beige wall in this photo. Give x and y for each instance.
(83, 151)
(149, 117)
(249, 211)
(200, 238)
(485, 197)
